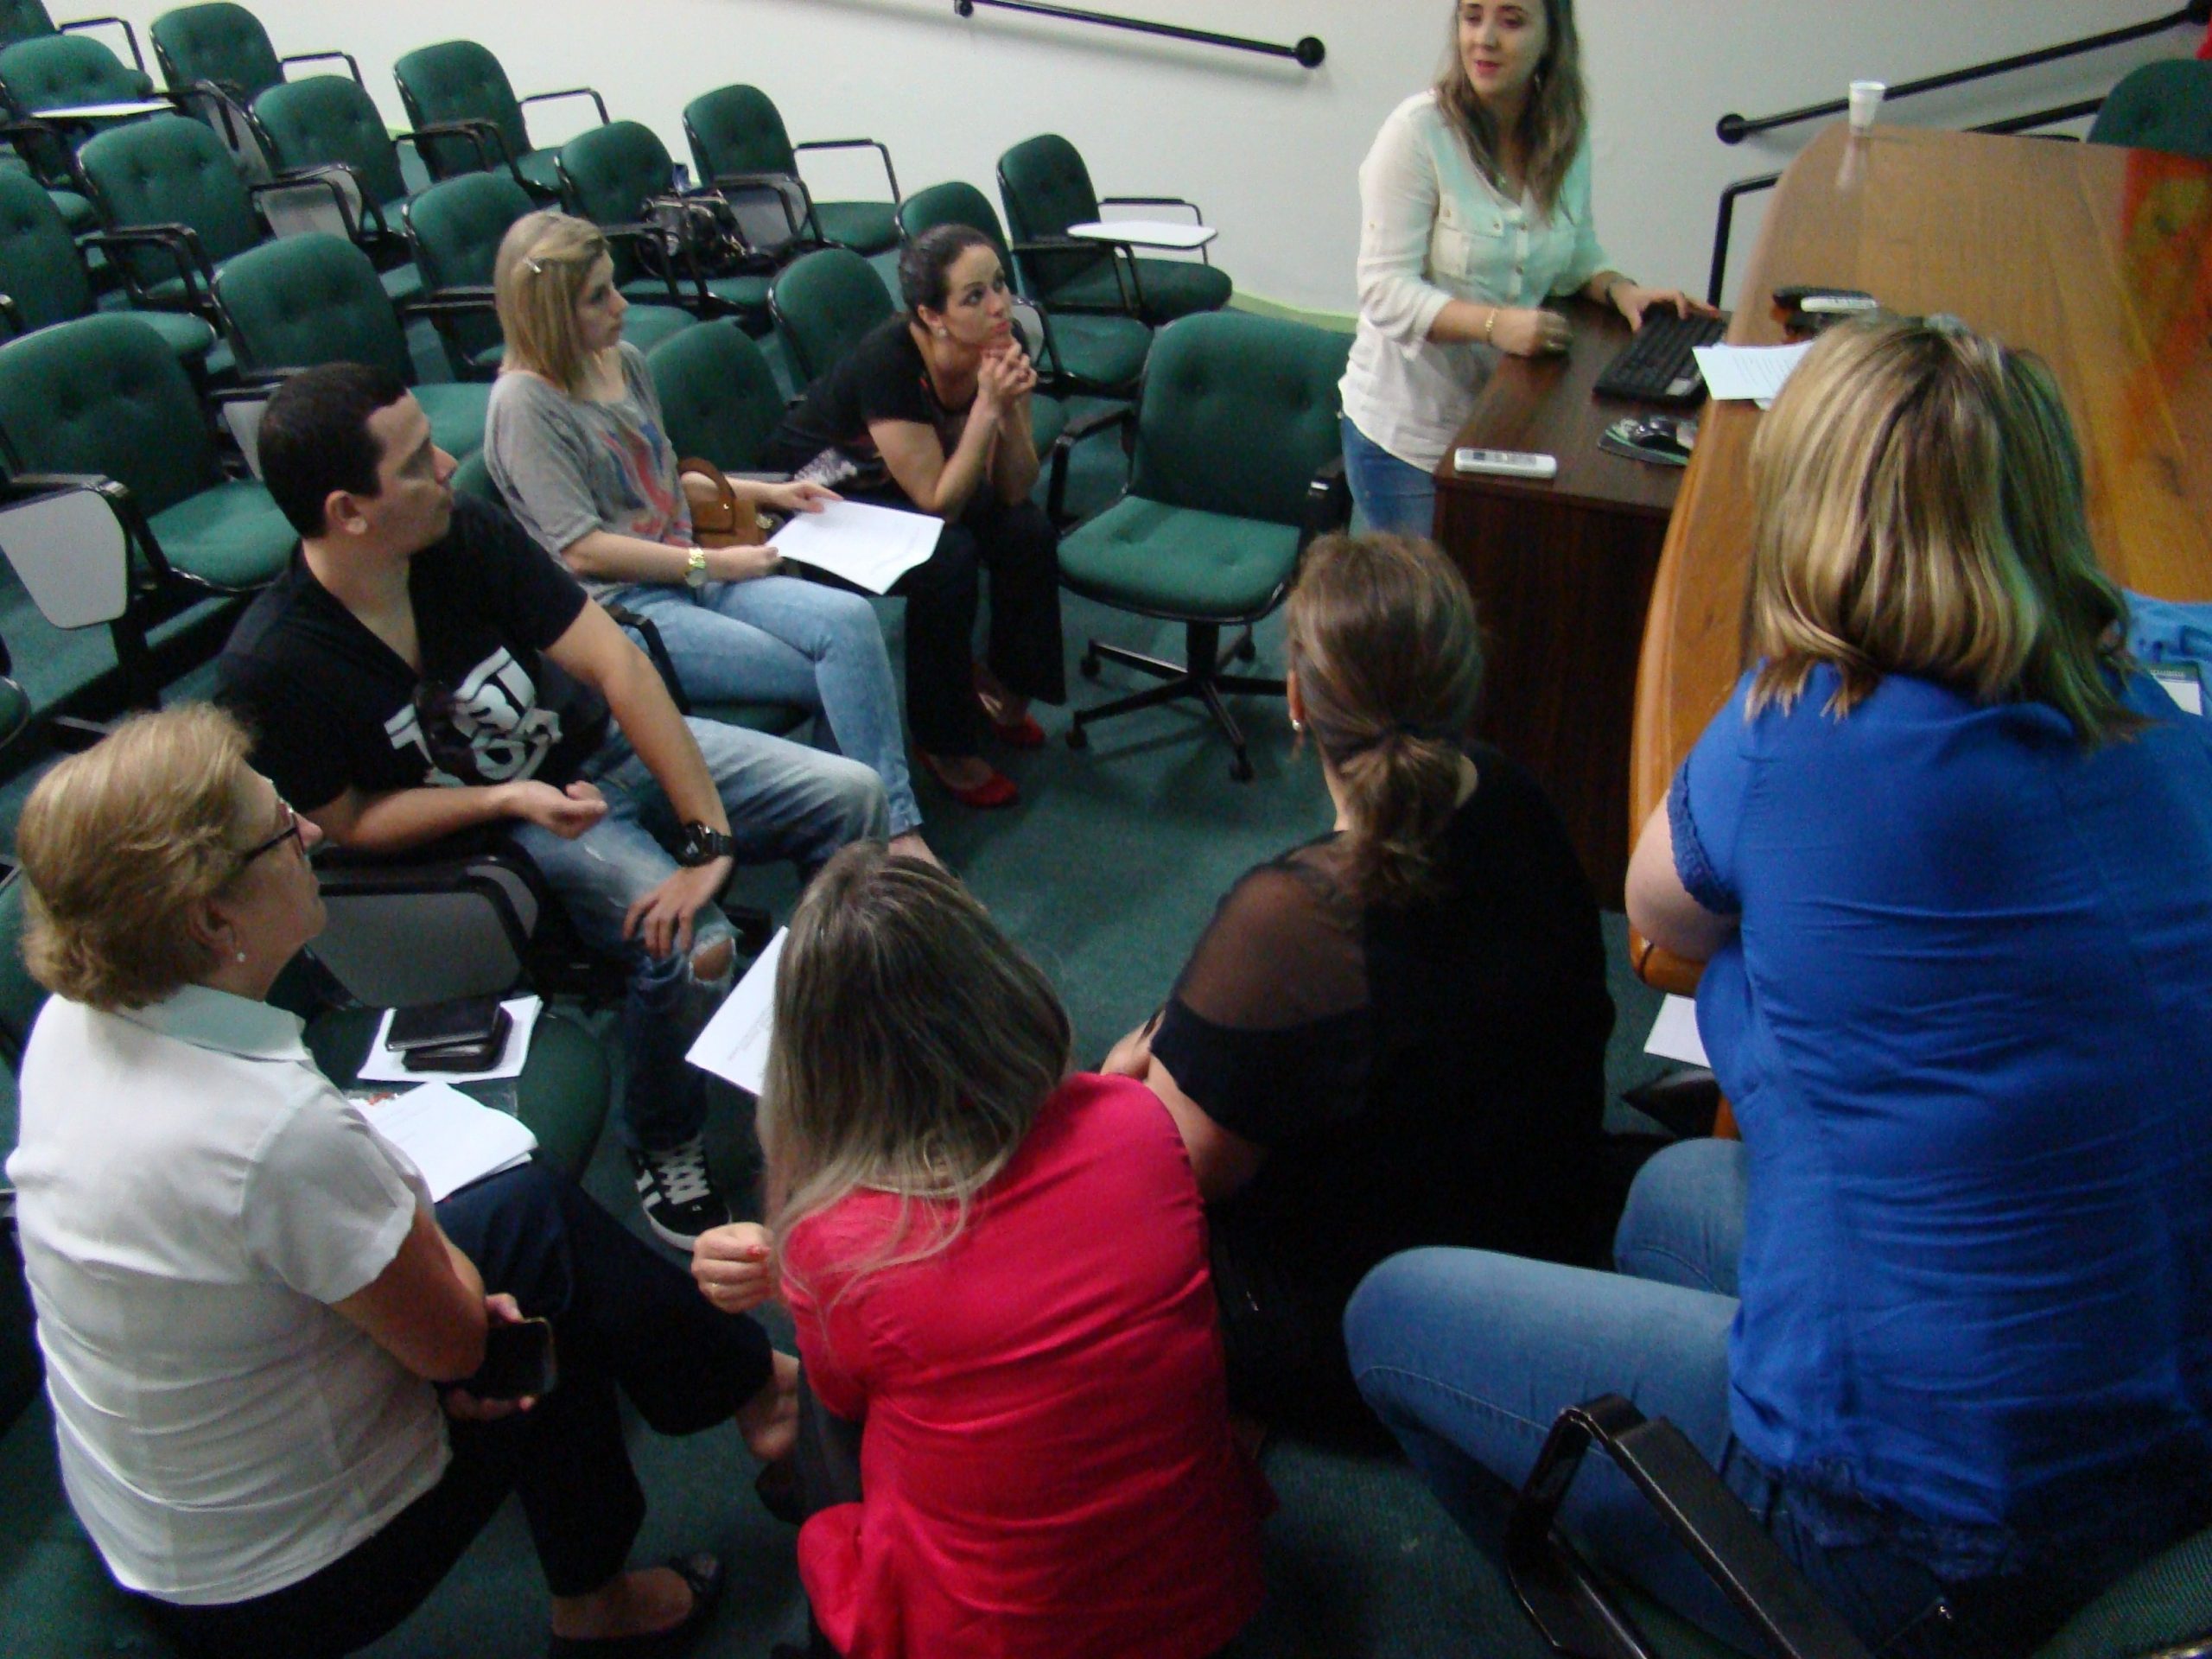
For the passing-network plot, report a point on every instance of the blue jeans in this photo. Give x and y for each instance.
(783, 639)
(1468, 1356)
(1391, 495)
(785, 800)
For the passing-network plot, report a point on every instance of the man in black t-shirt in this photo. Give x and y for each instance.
(422, 669)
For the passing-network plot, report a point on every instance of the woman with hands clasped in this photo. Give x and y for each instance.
(930, 412)
(574, 440)
(1474, 210)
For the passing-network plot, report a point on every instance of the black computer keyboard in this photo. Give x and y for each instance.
(1656, 366)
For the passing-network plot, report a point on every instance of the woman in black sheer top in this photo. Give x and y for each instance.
(1393, 1035)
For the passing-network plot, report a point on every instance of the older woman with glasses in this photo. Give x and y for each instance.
(258, 1330)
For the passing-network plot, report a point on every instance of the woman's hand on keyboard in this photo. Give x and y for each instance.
(1525, 332)
(1632, 300)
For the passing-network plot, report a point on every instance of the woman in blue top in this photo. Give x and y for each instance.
(1474, 210)
(1944, 1316)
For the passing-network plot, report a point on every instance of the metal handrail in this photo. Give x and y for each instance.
(1734, 128)
(1725, 222)
(1309, 52)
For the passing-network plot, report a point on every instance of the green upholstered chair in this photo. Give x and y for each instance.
(55, 71)
(216, 59)
(306, 299)
(719, 399)
(171, 180)
(121, 513)
(454, 229)
(460, 83)
(2164, 105)
(608, 175)
(824, 304)
(1046, 188)
(28, 20)
(43, 270)
(737, 131)
(1237, 466)
(1098, 354)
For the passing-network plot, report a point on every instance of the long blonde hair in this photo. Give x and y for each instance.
(914, 1045)
(1553, 117)
(1920, 511)
(1381, 633)
(545, 261)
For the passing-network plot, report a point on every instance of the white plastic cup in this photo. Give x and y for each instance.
(1866, 103)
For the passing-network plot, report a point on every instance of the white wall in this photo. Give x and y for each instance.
(1269, 150)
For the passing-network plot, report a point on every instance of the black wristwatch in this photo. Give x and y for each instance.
(701, 845)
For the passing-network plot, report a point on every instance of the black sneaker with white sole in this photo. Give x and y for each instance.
(678, 1192)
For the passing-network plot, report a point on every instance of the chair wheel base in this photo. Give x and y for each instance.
(1244, 651)
(1090, 666)
(1078, 738)
(1240, 769)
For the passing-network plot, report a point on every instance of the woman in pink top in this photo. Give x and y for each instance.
(999, 1272)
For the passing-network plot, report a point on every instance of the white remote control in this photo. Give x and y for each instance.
(1506, 463)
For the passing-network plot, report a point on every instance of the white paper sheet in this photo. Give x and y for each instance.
(867, 545)
(451, 1139)
(106, 112)
(1673, 1034)
(384, 1067)
(734, 1045)
(1146, 232)
(1748, 371)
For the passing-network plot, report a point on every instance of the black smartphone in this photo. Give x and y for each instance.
(517, 1363)
(475, 1054)
(442, 1024)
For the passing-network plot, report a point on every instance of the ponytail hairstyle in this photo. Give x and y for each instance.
(1381, 636)
(1554, 119)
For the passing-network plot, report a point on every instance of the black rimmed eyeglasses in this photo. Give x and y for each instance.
(290, 832)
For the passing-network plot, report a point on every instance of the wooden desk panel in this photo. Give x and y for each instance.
(1562, 571)
(2098, 258)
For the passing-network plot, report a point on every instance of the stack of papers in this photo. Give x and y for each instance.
(449, 1137)
(1756, 373)
(734, 1045)
(870, 547)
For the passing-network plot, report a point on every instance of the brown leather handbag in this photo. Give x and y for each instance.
(718, 517)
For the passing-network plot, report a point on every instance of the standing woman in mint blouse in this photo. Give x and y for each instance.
(1474, 210)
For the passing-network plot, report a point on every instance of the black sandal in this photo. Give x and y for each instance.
(702, 1572)
(777, 1487)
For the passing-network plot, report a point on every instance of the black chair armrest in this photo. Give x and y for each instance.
(649, 636)
(347, 57)
(660, 253)
(180, 242)
(598, 103)
(856, 144)
(129, 34)
(1573, 1607)
(1328, 502)
(1154, 201)
(1056, 490)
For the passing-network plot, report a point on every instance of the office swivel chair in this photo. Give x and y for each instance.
(1237, 465)
(737, 131)
(460, 83)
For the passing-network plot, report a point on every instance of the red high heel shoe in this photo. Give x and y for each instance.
(1023, 733)
(995, 790)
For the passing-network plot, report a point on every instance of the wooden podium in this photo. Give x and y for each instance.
(1561, 572)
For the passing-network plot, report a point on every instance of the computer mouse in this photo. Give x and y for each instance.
(1663, 434)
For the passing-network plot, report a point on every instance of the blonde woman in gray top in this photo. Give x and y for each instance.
(574, 440)
(1474, 210)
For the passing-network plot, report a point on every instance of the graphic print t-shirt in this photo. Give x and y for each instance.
(570, 465)
(331, 706)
